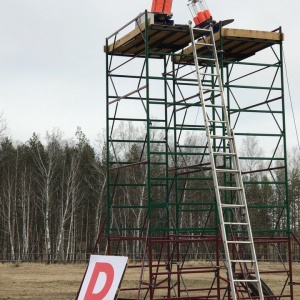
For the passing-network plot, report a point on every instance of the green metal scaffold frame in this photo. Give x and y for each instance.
(161, 208)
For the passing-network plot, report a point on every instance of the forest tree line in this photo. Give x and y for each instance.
(53, 193)
(51, 198)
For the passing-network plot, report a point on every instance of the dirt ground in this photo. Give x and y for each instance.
(61, 282)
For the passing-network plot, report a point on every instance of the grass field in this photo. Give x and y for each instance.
(61, 282)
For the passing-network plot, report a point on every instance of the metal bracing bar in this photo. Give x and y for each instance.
(190, 167)
(233, 111)
(263, 170)
(251, 73)
(124, 63)
(130, 165)
(129, 94)
(230, 62)
(262, 103)
(252, 87)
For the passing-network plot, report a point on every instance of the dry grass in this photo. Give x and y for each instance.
(38, 281)
(61, 282)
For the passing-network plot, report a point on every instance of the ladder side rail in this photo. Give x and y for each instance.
(246, 212)
(213, 167)
(236, 165)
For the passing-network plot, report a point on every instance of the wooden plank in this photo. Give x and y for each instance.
(253, 48)
(156, 40)
(229, 45)
(200, 48)
(243, 47)
(252, 34)
(237, 46)
(170, 40)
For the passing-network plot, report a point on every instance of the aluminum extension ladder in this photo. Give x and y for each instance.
(236, 233)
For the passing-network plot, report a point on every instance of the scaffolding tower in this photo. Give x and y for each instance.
(161, 204)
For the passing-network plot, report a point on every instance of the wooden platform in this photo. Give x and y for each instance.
(238, 44)
(162, 39)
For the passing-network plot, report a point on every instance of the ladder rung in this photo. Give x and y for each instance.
(243, 261)
(209, 74)
(206, 58)
(217, 121)
(245, 280)
(202, 29)
(214, 105)
(203, 44)
(233, 205)
(230, 188)
(221, 137)
(226, 171)
(236, 223)
(211, 90)
(239, 242)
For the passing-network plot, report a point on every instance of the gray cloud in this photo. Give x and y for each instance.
(53, 66)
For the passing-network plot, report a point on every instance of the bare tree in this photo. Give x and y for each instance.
(71, 196)
(3, 125)
(251, 149)
(46, 161)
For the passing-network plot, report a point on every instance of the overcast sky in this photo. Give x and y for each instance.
(53, 66)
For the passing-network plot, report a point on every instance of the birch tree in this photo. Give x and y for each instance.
(46, 162)
(9, 191)
(70, 195)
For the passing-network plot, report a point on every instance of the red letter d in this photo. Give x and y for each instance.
(100, 268)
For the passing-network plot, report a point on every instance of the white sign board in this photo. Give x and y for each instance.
(103, 277)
